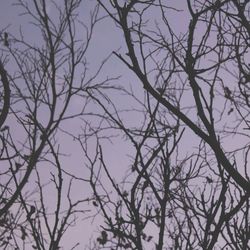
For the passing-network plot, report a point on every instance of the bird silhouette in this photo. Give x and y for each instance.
(209, 180)
(32, 211)
(5, 40)
(228, 93)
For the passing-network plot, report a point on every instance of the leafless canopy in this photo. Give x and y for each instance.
(188, 187)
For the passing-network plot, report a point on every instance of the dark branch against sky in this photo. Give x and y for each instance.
(131, 115)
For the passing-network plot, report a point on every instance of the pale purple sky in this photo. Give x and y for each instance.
(106, 39)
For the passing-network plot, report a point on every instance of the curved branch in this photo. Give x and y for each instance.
(6, 99)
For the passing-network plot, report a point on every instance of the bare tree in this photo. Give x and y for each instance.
(187, 184)
(196, 86)
(40, 78)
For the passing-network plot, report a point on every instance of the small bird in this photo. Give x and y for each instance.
(230, 111)
(5, 41)
(95, 203)
(228, 93)
(32, 211)
(18, 166)
(103, 239)
(209, 180)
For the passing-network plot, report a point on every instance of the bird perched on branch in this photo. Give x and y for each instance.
(5, 39)
(209, 180)
(32, 211)
(228, 93)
